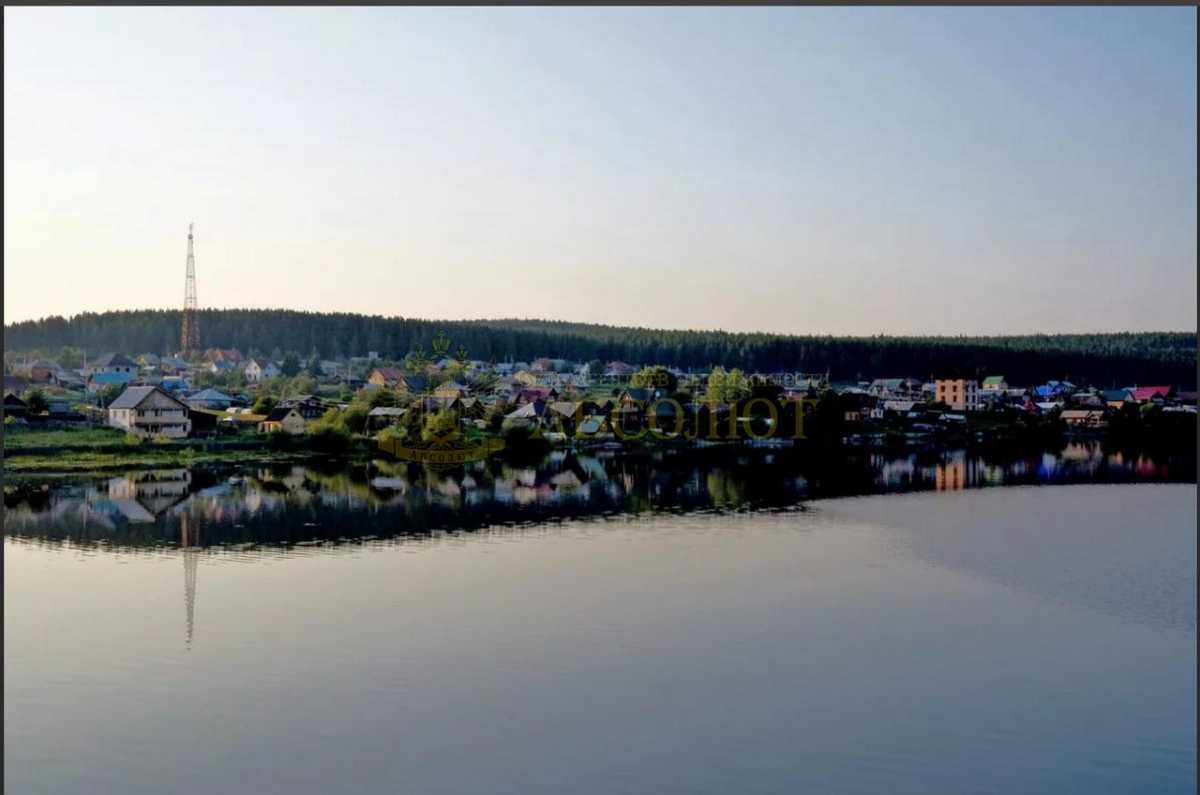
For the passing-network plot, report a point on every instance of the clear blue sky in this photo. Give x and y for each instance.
(801, 170)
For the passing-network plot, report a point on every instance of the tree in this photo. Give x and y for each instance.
(314, 366)
(291, 365)
(727, 387)
(264, 404)
(70, 358)
(656, 377)
(715, 390)
(303, 384)
(110, 393)
(496, 414)
(35, 402)
(441, 422)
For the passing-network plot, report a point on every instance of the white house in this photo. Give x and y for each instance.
(257, 371)
(112, 363)
(149, 411)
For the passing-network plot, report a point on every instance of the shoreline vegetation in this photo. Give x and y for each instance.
(33, 450)
(444, 408)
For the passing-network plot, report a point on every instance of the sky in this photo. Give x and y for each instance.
(848, 171)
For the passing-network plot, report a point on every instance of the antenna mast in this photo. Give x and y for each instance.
(191, 321)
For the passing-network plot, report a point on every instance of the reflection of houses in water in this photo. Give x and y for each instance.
(895, 472)
(1049, 466)
(1147, 467)
(993, 474)
(958, 471)
(142, 496)
(1085, 456)
(1117, 462)
(564, 477)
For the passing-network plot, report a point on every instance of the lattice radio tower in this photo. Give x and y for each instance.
(191, 319)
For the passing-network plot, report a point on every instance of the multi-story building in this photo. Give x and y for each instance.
(959, 394)
(149, 411)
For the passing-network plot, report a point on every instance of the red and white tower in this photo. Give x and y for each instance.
(191, 318)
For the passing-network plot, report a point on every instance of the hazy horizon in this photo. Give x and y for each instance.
(809, 171)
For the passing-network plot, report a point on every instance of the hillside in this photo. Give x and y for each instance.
(1102, 359)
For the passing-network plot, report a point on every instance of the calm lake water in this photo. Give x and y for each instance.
(607, 625)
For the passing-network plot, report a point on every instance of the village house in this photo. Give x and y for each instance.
(68, 379)
(284, 418)
(1053, 390)
(960, 394)
(1085, 418)
(112, 363)
(389, 378)
(310, 407)
(1152, 394)
(994, 383)
(617, 369)
(15, 383)
(149, 411)
(530, 394)
(173, 365)
(895, 389)
(633, 405)
(257, 370)
(42, 372)
(383, 416)
(231, 355)
(14, 406)
(220, 367)
(99, 381)
(209, 399)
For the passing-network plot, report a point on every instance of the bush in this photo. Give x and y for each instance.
(329, 438)
(264, 404)
(133, 440)
(522, 446)
(279, 440)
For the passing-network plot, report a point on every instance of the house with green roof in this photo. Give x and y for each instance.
(994, 383)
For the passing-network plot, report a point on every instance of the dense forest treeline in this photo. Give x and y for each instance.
(1100, 359)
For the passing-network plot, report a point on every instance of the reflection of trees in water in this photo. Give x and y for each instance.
(288, 504)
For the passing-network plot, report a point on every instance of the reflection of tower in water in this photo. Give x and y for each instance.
(190, 541)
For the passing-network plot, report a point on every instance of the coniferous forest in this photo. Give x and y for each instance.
(1099, 359)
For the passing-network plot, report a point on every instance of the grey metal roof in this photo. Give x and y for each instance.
(114, 360)
(133, 396)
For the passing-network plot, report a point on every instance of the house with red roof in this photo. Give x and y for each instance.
(1152, 394)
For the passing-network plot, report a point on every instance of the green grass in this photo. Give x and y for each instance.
(144, 457)
(20, 436)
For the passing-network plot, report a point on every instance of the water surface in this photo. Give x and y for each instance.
(1029, 639)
